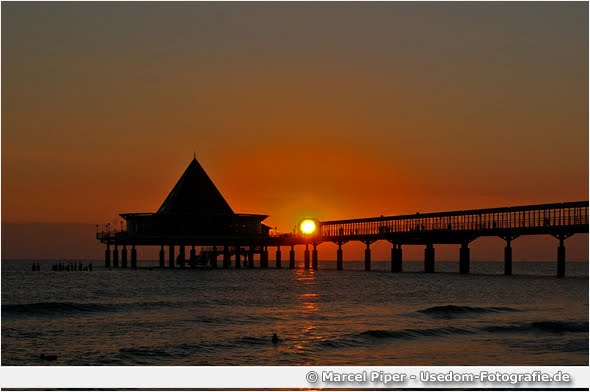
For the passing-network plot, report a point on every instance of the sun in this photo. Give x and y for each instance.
(307, 226)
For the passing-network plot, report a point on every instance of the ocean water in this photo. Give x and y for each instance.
(327, 317)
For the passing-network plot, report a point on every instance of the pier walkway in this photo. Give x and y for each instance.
(560, 220)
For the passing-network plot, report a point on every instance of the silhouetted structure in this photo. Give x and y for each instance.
(194, 208)
(560, 220)
(196, 214)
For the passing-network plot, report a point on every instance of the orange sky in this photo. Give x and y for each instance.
(329, 110)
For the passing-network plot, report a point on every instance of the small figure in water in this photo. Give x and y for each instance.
(275, 338)
(48, 357)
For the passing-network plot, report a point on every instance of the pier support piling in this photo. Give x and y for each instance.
(292, 257)
(238, 264)
(226, 257)
(278, 257)
(251, 257)
(314, 257)
(171, 257)
(133, 257)
(508, 254)
(181, 256)
(124, 256)
(162, 257)
(192, 255)
(561, 254)
(368, 256)
(306, 257)
(212, 257)
(561, 259)
(429, 259)
(107, 257)
(264, 257)
(116, 257)
(396, 258)
(339, 258)
(464, 258)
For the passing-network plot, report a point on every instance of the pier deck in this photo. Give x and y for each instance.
(560, 220)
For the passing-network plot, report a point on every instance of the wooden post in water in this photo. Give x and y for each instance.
(464, 258)
(508, 257)
(116, 257)
(238, 264)
(192, 255)
(278, 257)
(314, 257)
(212, 257)
(561, 256)
(251, 257)
(306, 257)
(292, 257)
(133, 257)
(339, 258)
(368, 256)
(162, 257)
(171, 257)
(396, 258)
(226, 257)
(181, 256)
(263, 257)
(124, 256)
(107, 256)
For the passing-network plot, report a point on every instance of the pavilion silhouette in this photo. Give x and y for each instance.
(194, 214)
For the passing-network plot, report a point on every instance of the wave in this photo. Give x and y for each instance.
(375, 335)
(416, 333)
(548, 326)
(52, 308)
(372, 336)
(65, 308)
(458, 311)
(361, 338)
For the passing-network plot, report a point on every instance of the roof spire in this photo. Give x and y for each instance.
(194, 155)
(195, 194)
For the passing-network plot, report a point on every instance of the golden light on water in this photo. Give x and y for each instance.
(307, 226)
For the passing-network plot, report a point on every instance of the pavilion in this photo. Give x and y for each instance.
(194, 214)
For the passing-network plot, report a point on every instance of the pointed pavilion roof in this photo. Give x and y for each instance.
(195, 194)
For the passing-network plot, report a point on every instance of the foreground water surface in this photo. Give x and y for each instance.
(327, 317)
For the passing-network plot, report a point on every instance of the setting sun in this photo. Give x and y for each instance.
(307, 226)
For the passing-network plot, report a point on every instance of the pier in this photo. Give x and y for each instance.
(559, 220)
(196, 215)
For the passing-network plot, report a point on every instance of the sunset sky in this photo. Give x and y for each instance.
(330, 110)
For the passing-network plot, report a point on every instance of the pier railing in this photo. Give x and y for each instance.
(531, 218)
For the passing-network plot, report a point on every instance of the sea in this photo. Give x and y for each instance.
(150, 316)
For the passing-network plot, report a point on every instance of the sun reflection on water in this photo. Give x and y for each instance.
(308, 305)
